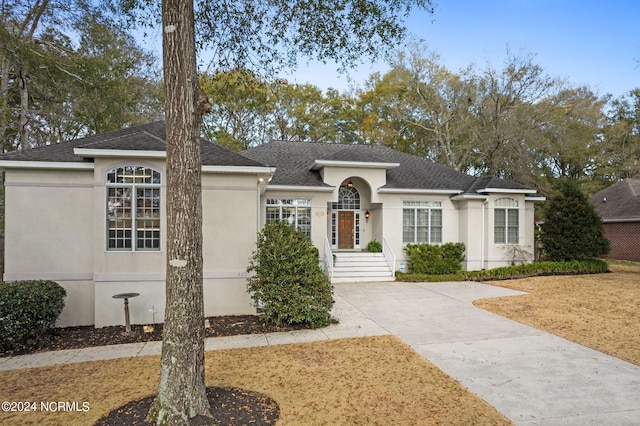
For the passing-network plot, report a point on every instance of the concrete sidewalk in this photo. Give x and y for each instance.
(532, 377)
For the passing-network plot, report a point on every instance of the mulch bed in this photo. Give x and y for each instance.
(229, 406)
(87, 336)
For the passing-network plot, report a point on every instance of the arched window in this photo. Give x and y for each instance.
(348, 199)
(506, 227)
(133, 208)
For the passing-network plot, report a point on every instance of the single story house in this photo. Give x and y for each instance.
(90, 214)
(619, 206)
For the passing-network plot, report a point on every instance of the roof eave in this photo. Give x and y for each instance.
(419, 191)
(507, 190)
(620, 219)
(300, 188)
(320, 164)
(239, 169)
(467, 196)
(122, 153)
(45, 165)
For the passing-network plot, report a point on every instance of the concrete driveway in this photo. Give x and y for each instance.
(532, 377)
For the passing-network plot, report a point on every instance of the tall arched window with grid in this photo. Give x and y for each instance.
(133, 208)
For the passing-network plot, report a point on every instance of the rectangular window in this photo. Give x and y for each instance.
(422, 222)
(506, 227)
(296, 212)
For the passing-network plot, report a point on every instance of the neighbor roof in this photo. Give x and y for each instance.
(294, 166)
(619, 201)
(146, 137)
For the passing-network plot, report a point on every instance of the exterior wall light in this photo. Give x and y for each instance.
(367, 215)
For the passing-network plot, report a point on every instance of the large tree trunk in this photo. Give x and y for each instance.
(181, 392)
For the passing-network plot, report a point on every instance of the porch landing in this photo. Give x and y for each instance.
(353, 266)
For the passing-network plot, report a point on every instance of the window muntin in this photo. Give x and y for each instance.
(133, 209)
(422, 222)
(506, 227)
(296, 212)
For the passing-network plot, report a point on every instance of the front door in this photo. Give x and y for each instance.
(345, 230)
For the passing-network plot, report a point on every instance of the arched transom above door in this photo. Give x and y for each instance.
(348, 199)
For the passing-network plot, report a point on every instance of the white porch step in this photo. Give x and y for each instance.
(360, 266)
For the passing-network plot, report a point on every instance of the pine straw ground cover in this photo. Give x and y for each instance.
(599, 311)
(363, 381)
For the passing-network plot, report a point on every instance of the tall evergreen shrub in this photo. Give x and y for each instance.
(572, 228)
(289, 284)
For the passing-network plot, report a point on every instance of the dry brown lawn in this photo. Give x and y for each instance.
(364, 381)
(599, 311)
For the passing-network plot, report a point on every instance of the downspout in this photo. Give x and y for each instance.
(483, 235)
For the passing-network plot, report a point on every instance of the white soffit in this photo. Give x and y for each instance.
(319, 164)
(507, 191)
(123, 153)
(66, 165)
(239, 169)
(300, 188)
(418, 191)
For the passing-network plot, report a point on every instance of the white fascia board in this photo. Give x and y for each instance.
(319, 164)
(300, 188)
(418, 191)
(535, 198)
(469, 197)
(621, 220)
(51, 165)
(123, 153)
(507, 191)
(239, 169)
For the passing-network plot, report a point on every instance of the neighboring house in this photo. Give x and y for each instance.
(90, 214)
(619, 206)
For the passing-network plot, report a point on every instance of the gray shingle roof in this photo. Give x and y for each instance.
(622, 200)
(146, 137)
(293, 162)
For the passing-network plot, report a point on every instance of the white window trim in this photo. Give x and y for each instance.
(282, 203)
(423, 205)
(506, 204)
(134, 213)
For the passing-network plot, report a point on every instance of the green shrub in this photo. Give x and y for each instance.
(574, 267)
(28, 309)
(435, 259)
(289, 284)
(374, 246)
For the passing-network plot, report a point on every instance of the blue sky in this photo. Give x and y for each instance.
(590, 42)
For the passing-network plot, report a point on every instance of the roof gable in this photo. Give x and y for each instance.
(294, 166)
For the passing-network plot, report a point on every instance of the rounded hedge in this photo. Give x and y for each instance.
(28, 309)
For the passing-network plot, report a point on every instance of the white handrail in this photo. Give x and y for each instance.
(328, 258)
(389, 255)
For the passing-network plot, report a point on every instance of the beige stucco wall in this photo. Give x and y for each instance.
(230, 226)
(392, 226)
(498, 255)
(56, 229)
(48, 234)
(472, 231)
